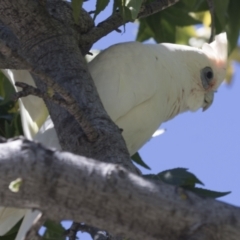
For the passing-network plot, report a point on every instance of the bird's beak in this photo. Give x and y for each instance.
(208, 100)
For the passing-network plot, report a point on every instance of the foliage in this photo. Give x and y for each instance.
(137, 159)
(53, 231)
(180, 177)
(76, 5)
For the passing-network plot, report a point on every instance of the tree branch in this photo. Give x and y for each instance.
(10, 58)
(132, 204)
(155, 6)
(50, 47)
(115, 21)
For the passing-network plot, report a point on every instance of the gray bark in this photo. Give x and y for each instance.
(51, 48)
(66, 186)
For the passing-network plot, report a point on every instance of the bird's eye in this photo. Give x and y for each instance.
(206, 76)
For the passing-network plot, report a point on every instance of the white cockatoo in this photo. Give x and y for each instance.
(141, 86)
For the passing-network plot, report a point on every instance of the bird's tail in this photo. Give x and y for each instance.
(28, 221)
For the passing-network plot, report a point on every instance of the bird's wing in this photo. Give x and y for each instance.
(29, 218)
(47, 135)
(9, 217)
(116, 72)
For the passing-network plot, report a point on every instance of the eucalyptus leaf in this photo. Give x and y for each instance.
(54, 231)
(134, 6)
(100, 6)
(76, 6)
(208, 193)
(137, 159)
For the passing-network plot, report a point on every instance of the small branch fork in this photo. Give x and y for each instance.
(67, 101)
(30, 90)
(115, 21)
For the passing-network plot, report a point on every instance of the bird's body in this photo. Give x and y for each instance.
(143, 85)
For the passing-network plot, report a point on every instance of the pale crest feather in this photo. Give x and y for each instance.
(218, 48)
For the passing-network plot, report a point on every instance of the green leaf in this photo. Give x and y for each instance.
(76, 7)
(54, 231)
(137, 159)
(144, 31)
(125, 12)
(162, 30)
(10, 121)
(178, 177)
(100, 6)
(207, 193)
(134, 7)
(200, 6)
(190, 4)
(6, 89)
(162, 26)
(178, 16)
(233, 25)
(154, 24)
(221, 10)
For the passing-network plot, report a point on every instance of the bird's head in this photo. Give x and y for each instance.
(211, 61)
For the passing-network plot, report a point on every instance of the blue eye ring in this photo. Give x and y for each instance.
(206, 77)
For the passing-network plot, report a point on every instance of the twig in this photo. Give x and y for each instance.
(72, 106)
(212, 11)
(70, 103)
(154, 7)
(30, 90)
(115, 21)
(95, 233)
(32, 233)
(71, 233)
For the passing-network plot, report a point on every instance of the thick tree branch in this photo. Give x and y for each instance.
(51, 48)
(62, 12)
(109, 196)
(9, 58)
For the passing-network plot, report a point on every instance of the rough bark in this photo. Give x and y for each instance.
(50, 47)
(66, 186)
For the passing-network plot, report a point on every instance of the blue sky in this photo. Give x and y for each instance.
(205, 143)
